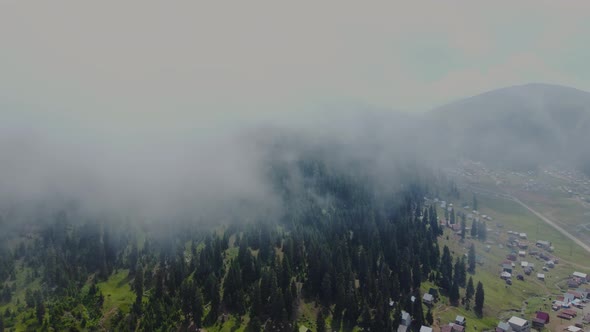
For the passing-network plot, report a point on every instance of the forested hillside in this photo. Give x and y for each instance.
(358, 252)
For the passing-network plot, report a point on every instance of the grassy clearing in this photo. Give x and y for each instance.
(117, 292)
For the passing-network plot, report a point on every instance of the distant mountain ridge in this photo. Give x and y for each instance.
(519, 126)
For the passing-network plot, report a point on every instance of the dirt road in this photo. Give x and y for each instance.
(536, 213)
(552, 223)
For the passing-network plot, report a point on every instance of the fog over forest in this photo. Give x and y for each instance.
(151, 171)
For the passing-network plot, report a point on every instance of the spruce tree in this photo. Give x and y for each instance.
(197, 307)
(471, 259)
(320, 322)
(138, 287)
(482, 231)
(429, 318)
(40, 311)
(479, 300)
(474, 229)
(454, 294)
(469, 291)
(463, 227)
(446, 268)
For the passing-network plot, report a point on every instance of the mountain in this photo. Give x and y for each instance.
(518, 127)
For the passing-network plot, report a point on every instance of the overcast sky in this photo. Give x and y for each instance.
(122, 59)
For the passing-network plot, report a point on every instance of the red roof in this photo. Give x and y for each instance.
(446, 328)
(543, 316)
(570, 312)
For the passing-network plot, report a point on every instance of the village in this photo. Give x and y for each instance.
(516, 257)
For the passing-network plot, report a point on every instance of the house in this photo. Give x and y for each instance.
(568, 298)
(550, 264)
(507, 268)
(503, 327)
(519, 325)
(543, 244)
(452, 327)
(541, 276)
(541, 318)
(511, 257)
(460, 320)
(406, 319)
(428, 299)
(528, 270)
(573, 328)
(572, 283)
(505, 275)
(569, 312)
(522, 235)
(585, 292)
(524, 264)
(582, 276)
(425, 329)
(521, 253)
(575, 294)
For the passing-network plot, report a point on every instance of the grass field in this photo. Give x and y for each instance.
(117, 292)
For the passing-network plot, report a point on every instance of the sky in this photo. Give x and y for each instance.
(157, 62)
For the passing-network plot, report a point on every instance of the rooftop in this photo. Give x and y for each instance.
(517, 321)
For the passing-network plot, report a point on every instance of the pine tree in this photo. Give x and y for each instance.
(321, 322)
(482, 231)
(463, 227)
(474, 202)
(459, 276)
(429, 318)
(454, 294)
(446, 268)
(474, 229)
(197, 307)
(471, 259)
(479, 300)
(40, 311)
(138, 287)
(469, 292)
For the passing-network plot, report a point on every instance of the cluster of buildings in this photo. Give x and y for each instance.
(519, 244)
(572, 298)
(576, 297)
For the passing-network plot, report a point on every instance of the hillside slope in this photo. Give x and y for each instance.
(518, 127)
